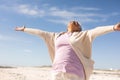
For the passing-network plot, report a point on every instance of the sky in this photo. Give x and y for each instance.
(21, 49)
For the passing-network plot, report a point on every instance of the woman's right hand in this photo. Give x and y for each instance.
(117, 27)
(20, 28)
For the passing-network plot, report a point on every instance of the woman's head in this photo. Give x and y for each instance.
(74, 26)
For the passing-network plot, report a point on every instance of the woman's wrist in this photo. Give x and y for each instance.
(114, 28)
(23, 28)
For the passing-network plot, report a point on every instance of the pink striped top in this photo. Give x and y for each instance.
(66, 59)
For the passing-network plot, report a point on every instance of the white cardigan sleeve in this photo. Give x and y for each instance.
(38, 32)
(93, 33)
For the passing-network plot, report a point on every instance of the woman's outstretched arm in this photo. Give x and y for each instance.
(37, 32)
(93, 33)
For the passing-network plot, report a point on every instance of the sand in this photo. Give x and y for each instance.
(43, 73)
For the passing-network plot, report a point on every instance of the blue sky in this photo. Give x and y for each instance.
(21, 49)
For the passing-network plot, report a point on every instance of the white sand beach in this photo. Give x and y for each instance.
(43, 73)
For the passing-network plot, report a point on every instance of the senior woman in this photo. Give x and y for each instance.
(70, 51)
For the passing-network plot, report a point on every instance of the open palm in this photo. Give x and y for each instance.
(20, 28)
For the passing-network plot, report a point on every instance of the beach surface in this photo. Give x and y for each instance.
(44, 73)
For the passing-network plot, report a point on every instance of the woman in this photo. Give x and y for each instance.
(70, 51)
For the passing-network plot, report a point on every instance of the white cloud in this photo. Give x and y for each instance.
(57, 15)
(86, 8)
(28, 10)
(23, 9)
(64, 16)
(115, 14)
(63, 13)
(60, 21)
(28, 51)
(84, 15)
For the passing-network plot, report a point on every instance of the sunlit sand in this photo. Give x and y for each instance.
(44, 73)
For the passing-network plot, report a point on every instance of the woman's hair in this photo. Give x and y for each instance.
(75, 23)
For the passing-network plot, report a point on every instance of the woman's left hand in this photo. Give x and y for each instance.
(117, 27)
